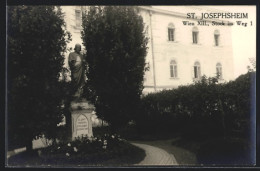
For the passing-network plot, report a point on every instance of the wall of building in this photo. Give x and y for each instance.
(182, 50)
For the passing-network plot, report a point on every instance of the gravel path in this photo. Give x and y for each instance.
(156, 156)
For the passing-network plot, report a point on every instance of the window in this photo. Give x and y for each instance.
(195, 33)
(173, 69)
(216, 37)
(171, 32)
(197, 70)
(78, 18)
(219, 70)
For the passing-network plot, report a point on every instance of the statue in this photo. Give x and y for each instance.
(77, 67)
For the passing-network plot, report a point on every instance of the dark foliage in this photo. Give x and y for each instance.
(225, 151)
(35, 48)
(201, 110)
(116, 49)
(105, 150)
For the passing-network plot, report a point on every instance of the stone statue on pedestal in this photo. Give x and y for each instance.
(81, 110)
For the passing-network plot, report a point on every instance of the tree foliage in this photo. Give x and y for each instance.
(116, 49)
(36, 45)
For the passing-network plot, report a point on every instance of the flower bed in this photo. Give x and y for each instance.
(103, 150)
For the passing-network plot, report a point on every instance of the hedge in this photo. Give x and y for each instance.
(202, 109)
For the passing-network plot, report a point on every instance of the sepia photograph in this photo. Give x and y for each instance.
(130, 86)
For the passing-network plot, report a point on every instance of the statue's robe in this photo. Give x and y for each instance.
(77, 69)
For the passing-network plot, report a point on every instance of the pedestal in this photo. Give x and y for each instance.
(81, 113)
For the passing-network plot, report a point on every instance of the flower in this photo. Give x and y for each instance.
(58, 148)
(104, 146)
(67, 154)
(105, 142)
(93, 139)
(75, 149)
(113, 136)
(69, 144)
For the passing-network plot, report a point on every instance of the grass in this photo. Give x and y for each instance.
(218, 150)
(225, 151)
(132, 155)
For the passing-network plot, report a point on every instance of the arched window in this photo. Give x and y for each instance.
(196, 67)
(173, 69)
(216, 37)
(195, 34)
(171, 29)
(219, 70)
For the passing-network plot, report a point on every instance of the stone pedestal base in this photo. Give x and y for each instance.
(81, 113)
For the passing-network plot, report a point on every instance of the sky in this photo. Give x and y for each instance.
(243, 38)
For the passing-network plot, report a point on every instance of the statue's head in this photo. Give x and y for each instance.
(77, 48)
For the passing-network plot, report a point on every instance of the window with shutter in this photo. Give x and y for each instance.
(197, 72)
(171, 30)
(219, 70)
(173, 69)
(216, 37)
(195, 33)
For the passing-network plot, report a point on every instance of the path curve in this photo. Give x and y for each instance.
(156, 156)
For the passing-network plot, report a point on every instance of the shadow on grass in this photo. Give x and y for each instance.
(218, 151)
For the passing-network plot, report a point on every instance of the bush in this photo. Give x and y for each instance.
(203, 109)
(94, 151)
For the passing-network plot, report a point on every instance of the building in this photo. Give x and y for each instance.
(178, 53)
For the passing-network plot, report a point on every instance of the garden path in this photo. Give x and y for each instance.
(156, 156)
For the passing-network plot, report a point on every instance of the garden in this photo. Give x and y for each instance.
(214, 121)
(40, 95)
(105, 150)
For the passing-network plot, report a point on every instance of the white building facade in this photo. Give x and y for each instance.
(178, 54)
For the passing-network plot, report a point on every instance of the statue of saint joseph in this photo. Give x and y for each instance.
(76, 64)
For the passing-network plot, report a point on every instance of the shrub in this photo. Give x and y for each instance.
(200, 110)
(106, 150)
(94, 150)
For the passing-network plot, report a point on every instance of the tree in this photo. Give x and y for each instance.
(36, 45)
(253, 63)
(116, 49)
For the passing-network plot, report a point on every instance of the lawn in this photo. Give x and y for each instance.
(218, 150)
